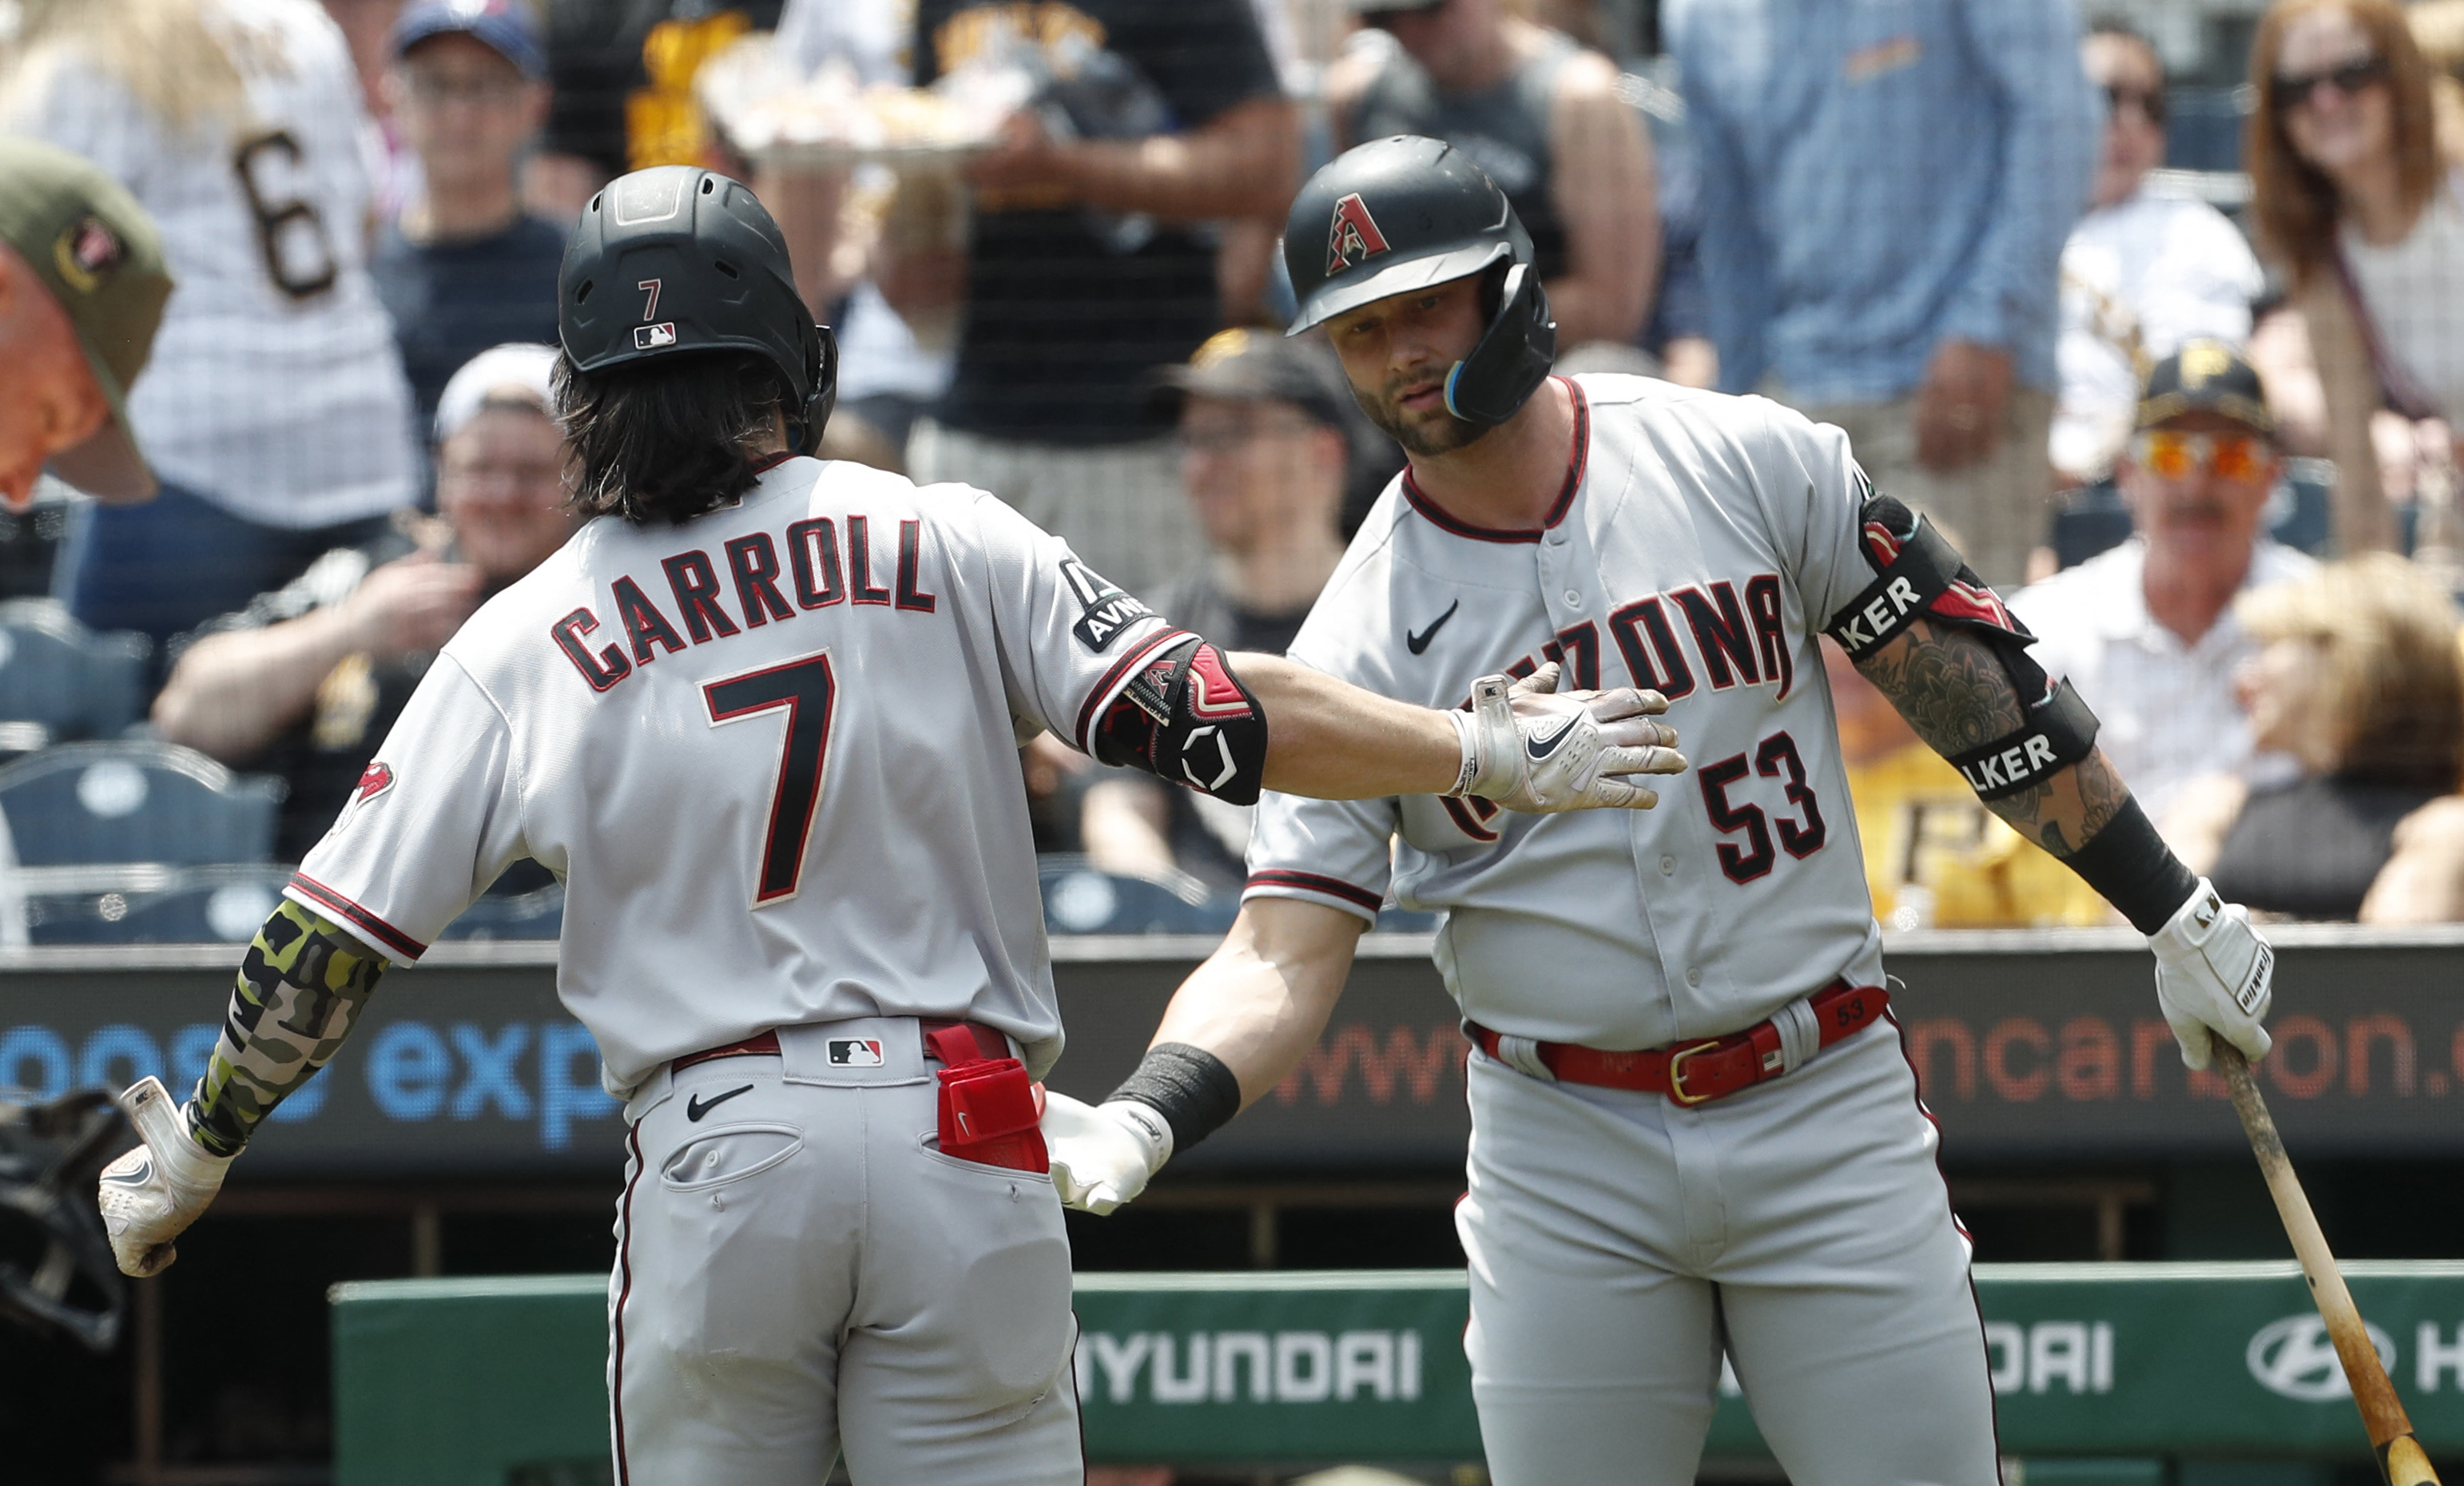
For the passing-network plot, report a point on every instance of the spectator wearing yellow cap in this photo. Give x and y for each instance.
(2146, 628)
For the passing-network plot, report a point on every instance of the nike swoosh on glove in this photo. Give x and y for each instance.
(1103, 1154)
(151, 1194)
(1529, 747)
(2213, 970)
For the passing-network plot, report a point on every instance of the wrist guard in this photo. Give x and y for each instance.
(1191, 1088)
(2130, 866)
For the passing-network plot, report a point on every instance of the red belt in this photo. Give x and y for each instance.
(988, 1043)
(1704, 1071)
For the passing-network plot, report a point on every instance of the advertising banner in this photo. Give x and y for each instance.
(2027, 1045)
(445, 1382)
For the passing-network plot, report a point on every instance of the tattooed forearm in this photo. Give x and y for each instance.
(1948, 685)
(302, 985)
(1953, 691)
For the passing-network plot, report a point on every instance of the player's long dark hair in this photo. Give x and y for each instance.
(665, 439)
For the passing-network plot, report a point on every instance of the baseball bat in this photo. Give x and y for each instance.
(2400, 1456)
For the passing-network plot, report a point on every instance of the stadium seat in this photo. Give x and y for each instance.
(538, 914)
(136, 800)
(1079, 900)
(63, 677)
(149, 903)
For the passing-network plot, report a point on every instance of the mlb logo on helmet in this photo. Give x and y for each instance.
(649, 337)
(1354, 236)
(855, 1052)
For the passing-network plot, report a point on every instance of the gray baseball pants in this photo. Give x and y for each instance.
(800, 1272)
(1618, 1242)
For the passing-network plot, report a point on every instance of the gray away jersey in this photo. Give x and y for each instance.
(772, 754)
(1699, 546)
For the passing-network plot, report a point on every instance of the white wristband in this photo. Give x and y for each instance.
(1467, 734)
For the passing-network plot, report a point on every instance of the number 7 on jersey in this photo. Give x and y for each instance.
(807, 691)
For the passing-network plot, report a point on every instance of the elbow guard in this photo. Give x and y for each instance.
(1919, 575)
(1186, 718)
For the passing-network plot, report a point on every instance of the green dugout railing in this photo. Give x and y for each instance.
(499, 1382)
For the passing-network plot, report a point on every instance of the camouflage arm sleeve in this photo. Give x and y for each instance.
(300, 988)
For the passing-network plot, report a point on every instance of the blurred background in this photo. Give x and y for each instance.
(2157, 308)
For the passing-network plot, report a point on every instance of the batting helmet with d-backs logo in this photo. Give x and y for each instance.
(1404, 213)
(677, 259)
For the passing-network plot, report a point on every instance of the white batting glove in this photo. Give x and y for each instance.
(1530, 748)
(2213, 970)
(1103, 1154)
(152, 1193)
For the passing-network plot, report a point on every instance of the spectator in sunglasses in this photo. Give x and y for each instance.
(2352, 198)
(2146, 628)
(2141, 273)
(2355, 677)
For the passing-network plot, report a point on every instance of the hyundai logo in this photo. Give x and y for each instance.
(2294, 1359)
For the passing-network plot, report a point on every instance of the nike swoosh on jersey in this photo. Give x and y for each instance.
(1421, 642)
(697, 1107)
(1540, 748)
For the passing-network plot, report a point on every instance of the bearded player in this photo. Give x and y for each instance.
(761, 717)
(1693, 1128)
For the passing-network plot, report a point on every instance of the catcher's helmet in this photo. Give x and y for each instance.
(677, 259)
(1404, 213)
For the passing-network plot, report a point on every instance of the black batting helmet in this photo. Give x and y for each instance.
(1404, 213)
(677, 259)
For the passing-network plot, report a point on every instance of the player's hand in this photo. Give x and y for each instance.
(150, 1194)
(1959, 407)
(410, 605)
(1103, 1154)
(2213, 970)
(1529, 747)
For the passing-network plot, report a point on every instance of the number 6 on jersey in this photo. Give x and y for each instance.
(807, 691)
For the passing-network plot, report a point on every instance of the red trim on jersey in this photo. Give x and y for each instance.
(1311, 882)
(1916, 1079)
(769, 462)
(623, 1293)
(1111, 681)
(385, 933)
(1577, 460)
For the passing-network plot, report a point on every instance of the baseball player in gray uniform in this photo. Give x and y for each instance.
(761, 717)
(1692, 1125)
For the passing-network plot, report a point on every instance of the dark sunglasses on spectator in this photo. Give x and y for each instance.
(2151, 102)
(2347, 79)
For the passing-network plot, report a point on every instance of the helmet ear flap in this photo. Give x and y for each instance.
(1513, 355)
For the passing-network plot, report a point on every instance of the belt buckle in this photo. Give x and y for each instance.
(1676, 1075)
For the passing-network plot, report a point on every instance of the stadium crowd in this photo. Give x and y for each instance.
(2187, 398)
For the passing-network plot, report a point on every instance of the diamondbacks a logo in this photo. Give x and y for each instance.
(374, 780)
(1354, 236)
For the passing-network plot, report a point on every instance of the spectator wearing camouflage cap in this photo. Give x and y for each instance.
(1267, 432)
(2148, 628)
(81, 292)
